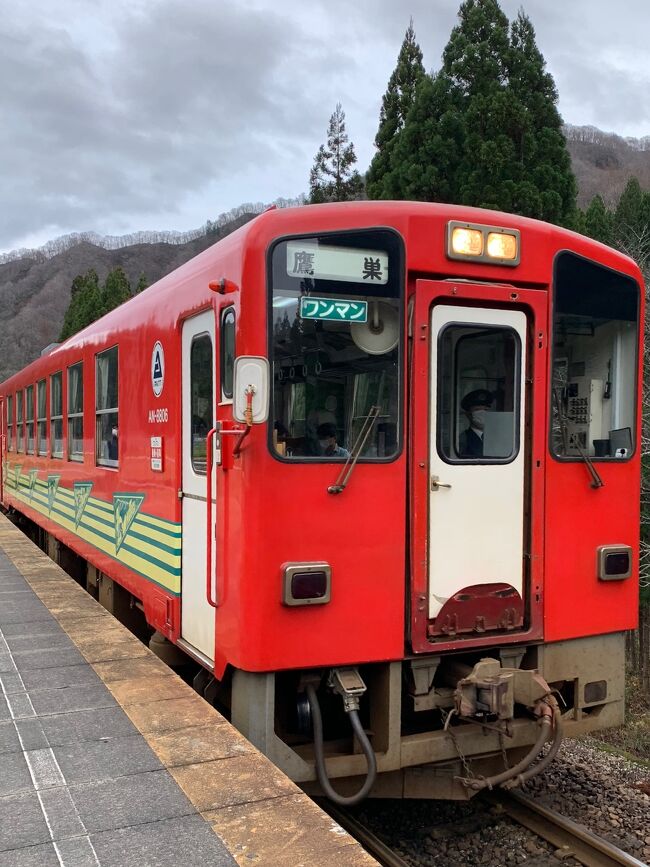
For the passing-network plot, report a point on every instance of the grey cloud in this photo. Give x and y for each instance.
(127, 114)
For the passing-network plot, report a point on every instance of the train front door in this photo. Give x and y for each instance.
(479, 361)
(198, 383)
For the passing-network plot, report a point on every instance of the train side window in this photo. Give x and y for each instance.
(595, 361)
(10, 422)
(29, 418)
(56, 414)
(106, 409)
(41, 419)
(19, 421)
(75, 412)
(201, 390)
(227, 353)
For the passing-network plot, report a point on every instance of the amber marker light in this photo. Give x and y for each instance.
(466, 242)
(501, 246)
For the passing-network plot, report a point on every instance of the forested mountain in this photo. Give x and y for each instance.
(604, 162)
(35, 289)
(35, 285)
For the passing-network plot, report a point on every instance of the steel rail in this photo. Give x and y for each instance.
(370, 842)
(581, 843)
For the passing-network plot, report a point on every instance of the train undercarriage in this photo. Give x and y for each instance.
(439, 726)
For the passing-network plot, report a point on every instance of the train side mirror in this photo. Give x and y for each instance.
(251, 389)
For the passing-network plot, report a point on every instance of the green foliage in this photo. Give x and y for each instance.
(89, 300)
(425, 157)
(485, 130)
(598, 221)
(396, 104)
(332, 178)
(141, 284)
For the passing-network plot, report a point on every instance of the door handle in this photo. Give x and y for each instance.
(436, 484)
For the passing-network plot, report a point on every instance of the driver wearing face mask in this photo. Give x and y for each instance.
(475, 404)
(327, 443)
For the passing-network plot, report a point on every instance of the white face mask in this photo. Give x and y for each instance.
(114, 432)
(477, 418)
(323, 444)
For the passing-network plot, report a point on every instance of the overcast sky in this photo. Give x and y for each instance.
(120, 115)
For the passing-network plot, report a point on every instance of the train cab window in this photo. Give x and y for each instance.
(595, 361)
(227, 353)
(76, 412)
(202, 391)
(41, 419)
(478, 388)
(19, 421)
(10, 422)
(29, 418)
(336, 346)
(56, 415)
(106, 409)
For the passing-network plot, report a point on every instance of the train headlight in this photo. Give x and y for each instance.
(466, 242)
(501, 246)
(495, 245)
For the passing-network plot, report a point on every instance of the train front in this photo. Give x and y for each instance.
(448, 511)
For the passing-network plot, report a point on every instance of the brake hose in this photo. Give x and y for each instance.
(321, 771)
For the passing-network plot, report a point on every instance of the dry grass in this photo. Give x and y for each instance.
(633, 738)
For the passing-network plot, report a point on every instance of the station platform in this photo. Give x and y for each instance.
(108, 758)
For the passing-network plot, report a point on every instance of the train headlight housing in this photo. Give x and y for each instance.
(495, 245)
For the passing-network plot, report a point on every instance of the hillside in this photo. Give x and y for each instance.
(35, 285)
(604, 162)
(35, 290)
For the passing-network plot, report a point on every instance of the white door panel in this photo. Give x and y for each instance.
(197, 615)
(476, 513)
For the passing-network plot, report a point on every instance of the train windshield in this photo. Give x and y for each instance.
(336, 346)
(595, 361)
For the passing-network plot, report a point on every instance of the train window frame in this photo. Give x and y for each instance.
(107, 416)
(56, 418)
(41, 418)
(396, 241)
(10, 422)
(29, 420)
(20, 422)
(555, 356)
(227, 361)
(75, 414)
(518, 408)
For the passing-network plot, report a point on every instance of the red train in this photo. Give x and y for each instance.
(420, 519)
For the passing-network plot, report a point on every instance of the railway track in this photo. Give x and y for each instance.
(579, 842)
(574, 839)
(369, 840)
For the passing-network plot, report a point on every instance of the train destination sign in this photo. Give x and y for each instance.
(349, 264)
(335, 309)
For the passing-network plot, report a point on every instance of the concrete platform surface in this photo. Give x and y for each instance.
(108, 758)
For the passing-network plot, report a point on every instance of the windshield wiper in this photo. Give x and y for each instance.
(596, 481)
(350, 463)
